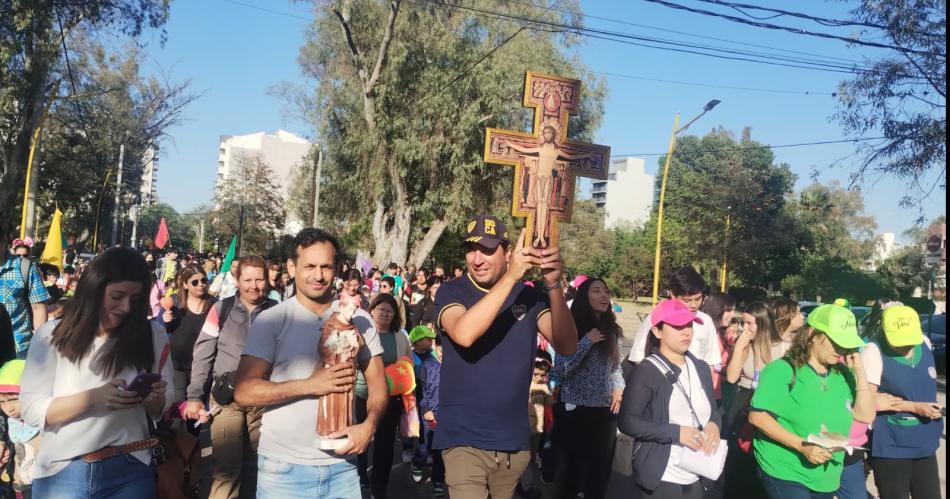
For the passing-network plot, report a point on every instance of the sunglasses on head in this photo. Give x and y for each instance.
(195, 282)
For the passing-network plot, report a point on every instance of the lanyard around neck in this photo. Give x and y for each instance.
(668, 371)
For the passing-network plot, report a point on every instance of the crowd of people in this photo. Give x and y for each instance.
(519, 384)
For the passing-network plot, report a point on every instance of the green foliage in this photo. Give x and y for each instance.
(119, 106)
(716, 177)
(906, 271)
(251, 186)
(827, 278)
(834, 222)
(178, 231)
(32, 69)
(411, 148)
(903, 95)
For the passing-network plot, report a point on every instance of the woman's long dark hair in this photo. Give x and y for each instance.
(386, 299)
(716, 305)
(586, 319)
(75, 333)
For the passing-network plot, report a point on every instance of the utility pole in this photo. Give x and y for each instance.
(317, 171)
(118, 198)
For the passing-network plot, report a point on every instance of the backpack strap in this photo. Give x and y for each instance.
(25, 267)
(227, 305)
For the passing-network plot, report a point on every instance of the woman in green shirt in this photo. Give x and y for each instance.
(809, 390)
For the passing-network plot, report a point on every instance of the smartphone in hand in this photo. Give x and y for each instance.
(142, 384)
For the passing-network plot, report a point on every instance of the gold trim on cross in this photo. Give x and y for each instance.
(546, 163)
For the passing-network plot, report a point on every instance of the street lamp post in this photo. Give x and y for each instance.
(666, 171)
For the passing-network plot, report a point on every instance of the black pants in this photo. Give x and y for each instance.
(586, 438)
(383, 443)
(903, 478)
(668, 490)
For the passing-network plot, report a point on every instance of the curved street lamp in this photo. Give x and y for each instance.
(666, 171)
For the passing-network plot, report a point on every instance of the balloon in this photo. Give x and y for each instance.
(167, 303)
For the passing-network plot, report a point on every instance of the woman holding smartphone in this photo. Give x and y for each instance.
(95, 432)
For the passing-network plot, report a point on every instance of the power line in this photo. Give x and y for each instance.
(684, 33)
(681, 47)
(711, 85)
(468, 71)
(797, 31)
(763, 146)
(270, 11)
(779, 13)
(72, 84)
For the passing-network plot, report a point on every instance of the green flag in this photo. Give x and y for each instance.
(226, 264)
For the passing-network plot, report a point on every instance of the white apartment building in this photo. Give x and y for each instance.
(149, 189)
(885, 246)
(282, 151)
(627, 194)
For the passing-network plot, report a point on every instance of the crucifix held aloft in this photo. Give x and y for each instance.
(546, 163)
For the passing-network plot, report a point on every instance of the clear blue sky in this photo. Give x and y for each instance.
(235, 54)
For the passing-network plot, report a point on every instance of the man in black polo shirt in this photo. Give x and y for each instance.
(491, 320)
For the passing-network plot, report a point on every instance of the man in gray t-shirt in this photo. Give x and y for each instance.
(282, 372)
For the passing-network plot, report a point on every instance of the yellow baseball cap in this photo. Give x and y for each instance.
(902, 326)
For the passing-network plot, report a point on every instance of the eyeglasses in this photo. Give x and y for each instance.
(195, 282)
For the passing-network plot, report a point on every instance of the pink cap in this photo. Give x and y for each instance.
(674, 313)
(579, 281)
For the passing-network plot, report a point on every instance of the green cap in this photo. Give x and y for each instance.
(10, 375)
(843, 302)
(838, 323)
(420, 332)
(902, 326)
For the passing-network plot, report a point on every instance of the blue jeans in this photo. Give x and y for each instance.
(853, 482)
(120, 477)
(280, 480)
(424, 450)
(785, 489)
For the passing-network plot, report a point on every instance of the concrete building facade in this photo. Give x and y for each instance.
(626, 195)
(149, 189)
(283, 151)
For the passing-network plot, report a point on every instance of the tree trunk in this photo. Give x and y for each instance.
(424, 246)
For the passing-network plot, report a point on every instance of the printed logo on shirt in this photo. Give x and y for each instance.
(519, 311)
(932, 371)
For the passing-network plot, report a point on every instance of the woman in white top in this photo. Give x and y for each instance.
(767, 335)
(95, 432)
(671, 408)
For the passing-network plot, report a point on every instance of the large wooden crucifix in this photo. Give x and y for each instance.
(546, 163)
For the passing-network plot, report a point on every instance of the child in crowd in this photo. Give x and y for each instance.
(539, 402)
(24, 439)
(428, 370)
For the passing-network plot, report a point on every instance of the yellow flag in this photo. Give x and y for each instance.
(53, 252)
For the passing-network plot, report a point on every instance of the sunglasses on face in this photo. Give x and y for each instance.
(195, 282)
(542, 364)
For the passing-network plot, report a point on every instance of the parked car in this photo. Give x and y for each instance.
(935, 328)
